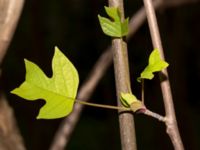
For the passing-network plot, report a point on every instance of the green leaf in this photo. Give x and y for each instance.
(113, 27)
(113, 13)
(129, 100)
(155, 64)
(59, 91)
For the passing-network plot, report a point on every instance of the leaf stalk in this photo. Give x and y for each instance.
(102, 105)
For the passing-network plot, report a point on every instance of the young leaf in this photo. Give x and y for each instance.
(129, 100)
(155, 64)
(58, 91)
(113, 27)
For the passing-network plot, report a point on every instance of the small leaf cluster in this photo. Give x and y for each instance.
(60, 90)
(155, 64)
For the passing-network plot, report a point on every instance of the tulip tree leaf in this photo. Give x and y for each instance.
(155, 64)
(129, 100)
(59, 91)
(113, 27)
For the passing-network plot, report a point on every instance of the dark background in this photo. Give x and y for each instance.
(72, 25)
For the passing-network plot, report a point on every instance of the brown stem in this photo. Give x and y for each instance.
(139, 17)
(10, 11)
(9, 132)
(122, 80)
(171, 124)
(10, 137)
(154, 115)
(175, 3)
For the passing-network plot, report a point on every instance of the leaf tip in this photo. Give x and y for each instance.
(166, 64)
(26, 60)
(27, 63)
(99, 17)
(139, 79)
(13, 91)
(106, 8)
(42, 116)
(56, 48)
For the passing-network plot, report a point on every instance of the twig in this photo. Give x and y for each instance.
(154, 115)
(172, 128)
(175, 3)
(10, 11)
(139, 17)
(146, 111)
(9, 132)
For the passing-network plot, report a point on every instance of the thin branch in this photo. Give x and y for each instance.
(154, 115)
(139, 18)
(172, 128)
(176, 3)
(146, 111)
(10, 11)
(10, 137)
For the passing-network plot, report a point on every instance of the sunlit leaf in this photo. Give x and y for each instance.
(155, 64)
(113, 27)
(58, 91)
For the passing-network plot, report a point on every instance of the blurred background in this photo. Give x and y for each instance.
(73, 26)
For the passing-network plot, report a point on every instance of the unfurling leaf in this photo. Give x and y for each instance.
(155, 64)
(129, 100)
(113, 27)
(59, 91)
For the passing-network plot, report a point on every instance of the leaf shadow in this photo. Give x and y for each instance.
(163, 77)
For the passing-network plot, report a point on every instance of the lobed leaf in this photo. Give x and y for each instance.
(113, 13)
(59, 91)
(155, 64)
(113, 27)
